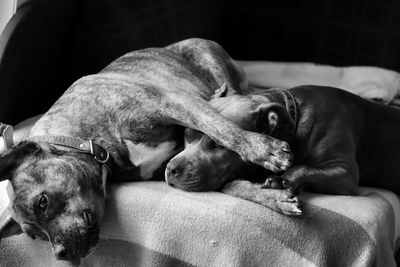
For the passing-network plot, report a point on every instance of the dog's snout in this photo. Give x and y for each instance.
(76, 244)
(176, 171)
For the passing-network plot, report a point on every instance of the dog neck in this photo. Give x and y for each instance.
(100, 154)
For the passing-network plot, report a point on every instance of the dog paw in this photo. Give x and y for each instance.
(282, 201)
(270, 153)
(290, 206)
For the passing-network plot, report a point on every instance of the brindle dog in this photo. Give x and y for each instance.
(132, 114)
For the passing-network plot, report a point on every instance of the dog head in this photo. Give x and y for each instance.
(205, 165)
(59, 196)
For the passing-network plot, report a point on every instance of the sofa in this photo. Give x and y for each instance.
(48, 44)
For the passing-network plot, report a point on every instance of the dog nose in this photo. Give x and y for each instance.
(175, 170)
(61, 253)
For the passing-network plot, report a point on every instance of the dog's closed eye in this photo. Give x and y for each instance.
(191, 135)
(214, 145)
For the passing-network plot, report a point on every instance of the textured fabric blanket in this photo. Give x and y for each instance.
(151, 224)
(375, 83)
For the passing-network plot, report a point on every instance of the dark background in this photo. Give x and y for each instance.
(50, 43)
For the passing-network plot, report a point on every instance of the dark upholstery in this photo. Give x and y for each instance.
(336, 32)
(50, 43)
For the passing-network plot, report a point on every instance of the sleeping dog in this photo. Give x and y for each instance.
(339, 141)
(122, 124)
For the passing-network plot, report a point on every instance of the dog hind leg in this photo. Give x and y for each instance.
(212, 63)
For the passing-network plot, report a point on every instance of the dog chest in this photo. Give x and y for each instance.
(150, 158)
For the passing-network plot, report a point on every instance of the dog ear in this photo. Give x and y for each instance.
(269, 117)
(13, 157)
(223, 91)
(8, 226)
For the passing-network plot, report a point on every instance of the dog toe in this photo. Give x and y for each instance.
(290, 207)
(273, 182)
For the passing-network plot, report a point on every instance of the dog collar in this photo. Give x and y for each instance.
(291, 107)
(99, 153)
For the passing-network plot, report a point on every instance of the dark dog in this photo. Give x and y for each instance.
(126, 121)
(339, 141)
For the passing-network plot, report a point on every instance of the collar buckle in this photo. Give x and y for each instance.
(100, 154)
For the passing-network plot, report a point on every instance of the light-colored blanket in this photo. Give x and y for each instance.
(151, 224)
(369, 82)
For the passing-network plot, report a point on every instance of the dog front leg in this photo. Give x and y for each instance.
(282, 201)
(261, 149)
(335, 178)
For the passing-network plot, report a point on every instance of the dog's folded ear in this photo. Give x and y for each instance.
(269, 117)
(8, 226)
(223, 91)
(13, 157)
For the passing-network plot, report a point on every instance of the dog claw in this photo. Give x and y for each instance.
(290, 208)
(296, 210)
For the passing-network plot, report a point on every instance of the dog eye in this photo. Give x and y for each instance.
(192, 135)
(43, 202)
(214, 145)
